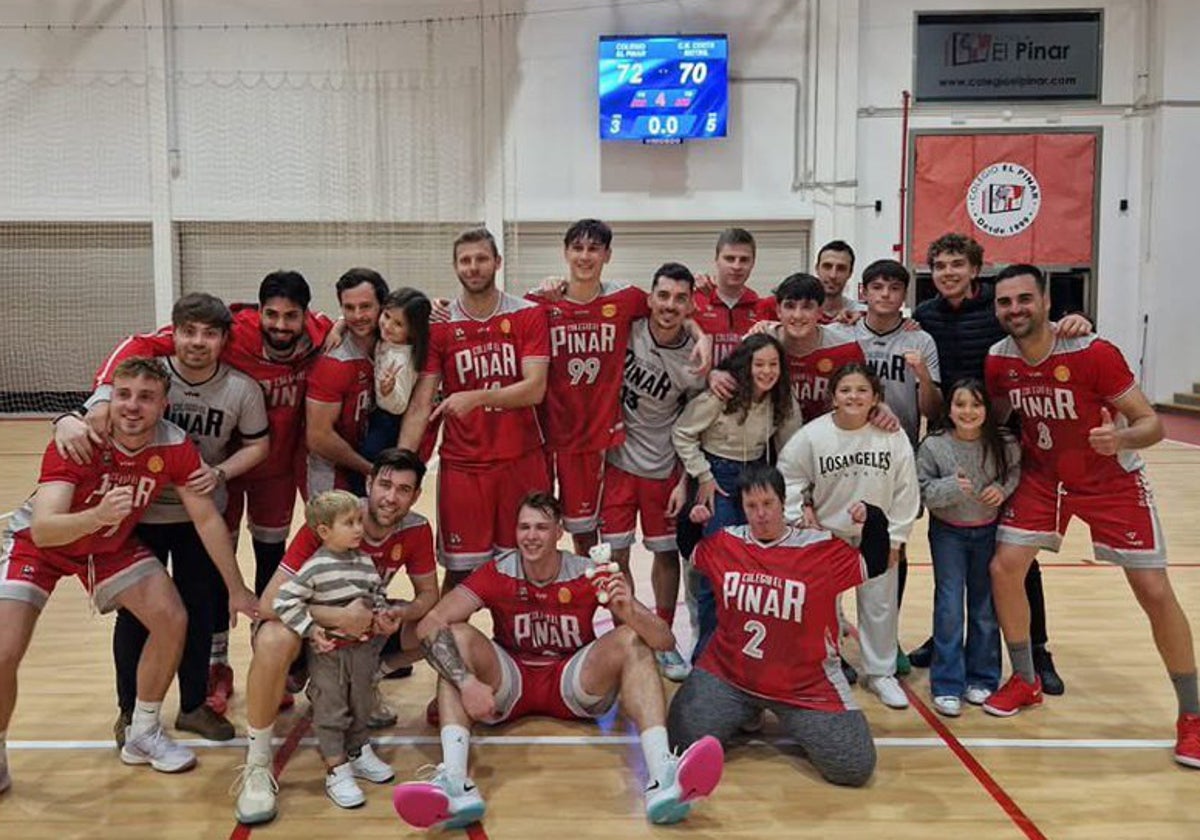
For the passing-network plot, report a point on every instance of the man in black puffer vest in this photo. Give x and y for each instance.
(962, 321)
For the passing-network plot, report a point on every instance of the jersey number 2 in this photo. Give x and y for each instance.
(758, 632)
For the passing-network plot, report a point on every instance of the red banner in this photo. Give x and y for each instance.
(1023, 197)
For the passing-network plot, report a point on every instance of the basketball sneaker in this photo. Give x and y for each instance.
(157, 749)
(672, 665)
(381, 713)
(1043, 664)
(442, 801)
(341, 787)
(948, 705)
(977, 695)
(367, 765)
(220, 687)
(1013, 696)
(888, 690)
(255, 789)
(1187, 741)
(687, 779)
(432, 716)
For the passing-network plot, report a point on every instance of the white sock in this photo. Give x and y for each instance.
(145, 718)
(258, 748)
(219, 654)
(655, 749)
(456, 747)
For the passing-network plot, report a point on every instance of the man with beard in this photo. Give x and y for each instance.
(491, 359)
(1083, 418)
(275, 344)
(341, 389)
(212, 403)
(394, 538)
(80, 522)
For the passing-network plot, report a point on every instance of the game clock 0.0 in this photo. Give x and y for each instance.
(663, 88)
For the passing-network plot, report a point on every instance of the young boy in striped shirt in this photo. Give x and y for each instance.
(340, 669)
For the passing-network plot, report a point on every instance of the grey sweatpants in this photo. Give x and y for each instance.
(838, 744)
(340, 690)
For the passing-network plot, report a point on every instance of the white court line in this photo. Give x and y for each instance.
(629, 740)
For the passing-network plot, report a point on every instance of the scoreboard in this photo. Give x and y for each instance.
(663, 88)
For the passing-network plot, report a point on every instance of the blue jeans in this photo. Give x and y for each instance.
(961, 557)
(727, 510)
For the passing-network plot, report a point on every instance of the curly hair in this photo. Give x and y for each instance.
(739, 362)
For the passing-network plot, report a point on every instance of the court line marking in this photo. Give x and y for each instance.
(985, 779)
(296, 740)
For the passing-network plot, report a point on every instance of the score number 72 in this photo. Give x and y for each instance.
(690, 72)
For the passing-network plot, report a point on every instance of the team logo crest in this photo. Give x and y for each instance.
(1004, 199)
(1062, 373)
(155, 464)
(397, 553)
(825, 365)
(564, 595)
(27, 572)
(506, 326)
(608, 310)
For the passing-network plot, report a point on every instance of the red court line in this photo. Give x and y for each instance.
(1081, 564)
(1019, 817)
(282, 757)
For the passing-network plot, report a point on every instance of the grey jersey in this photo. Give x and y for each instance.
(209, 412)
(885, 356)
(655, 387)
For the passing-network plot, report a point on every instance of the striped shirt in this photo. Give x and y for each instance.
(328, 579)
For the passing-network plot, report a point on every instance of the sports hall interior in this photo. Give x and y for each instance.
(157, 147)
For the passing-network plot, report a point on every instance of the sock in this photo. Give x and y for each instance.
(145, 718)
(655, 749)
(667, 614)
(456, 747)
(1185, 692)
(1021, 655)
(219, 654)
(258, 746)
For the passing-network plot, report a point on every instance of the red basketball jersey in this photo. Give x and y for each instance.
(469, 354)
(538, 625)
(408, 546)
(582, 409)
(345, 376)
(777, 623)
(1059, 400)
(810, 374)
(726, 324)
(167, 460)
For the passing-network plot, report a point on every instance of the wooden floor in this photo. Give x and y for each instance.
(1094, 763)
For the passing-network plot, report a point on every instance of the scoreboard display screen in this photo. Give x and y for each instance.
(663, 88)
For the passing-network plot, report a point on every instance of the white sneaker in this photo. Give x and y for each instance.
(157, 749)
(672, 665)
(889, 691)
(371, 767)
(977, 696)
(443, 801)
(255, 789)
(686, 779)
(948, 705)
(382, 715)
(341, 787)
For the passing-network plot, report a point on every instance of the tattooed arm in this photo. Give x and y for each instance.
(441, 650)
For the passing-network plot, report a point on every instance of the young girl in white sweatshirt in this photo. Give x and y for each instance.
(837, 460)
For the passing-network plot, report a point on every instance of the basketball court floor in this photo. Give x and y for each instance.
(1093, 763)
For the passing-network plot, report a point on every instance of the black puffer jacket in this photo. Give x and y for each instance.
(962, 335)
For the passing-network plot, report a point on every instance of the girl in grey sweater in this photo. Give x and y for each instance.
(966, 471)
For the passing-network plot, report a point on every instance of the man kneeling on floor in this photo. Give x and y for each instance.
(547, 660)
(775, 646)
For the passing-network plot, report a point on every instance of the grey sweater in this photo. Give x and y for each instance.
(940, 459)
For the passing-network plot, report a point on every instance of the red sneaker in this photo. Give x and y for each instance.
(431, 714)
(1013, 696)
(220, 687)
(1187, 740)
(287, 701)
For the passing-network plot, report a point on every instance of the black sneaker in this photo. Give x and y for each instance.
(922, 657)
(1043, 663)
(849, 672)
(400, 673)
